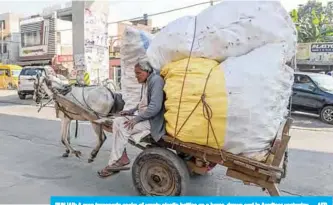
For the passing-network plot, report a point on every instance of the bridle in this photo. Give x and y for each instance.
(37, 89)
(39, 93)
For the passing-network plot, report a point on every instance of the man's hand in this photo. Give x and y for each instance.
(125, 112)
(130, 124)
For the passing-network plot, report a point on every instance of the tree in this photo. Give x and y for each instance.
(314, 22)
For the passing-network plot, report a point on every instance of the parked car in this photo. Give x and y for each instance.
(313, 93)
(26, 80)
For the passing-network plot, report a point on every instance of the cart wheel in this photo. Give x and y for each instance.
(159, 172)
(186, 157)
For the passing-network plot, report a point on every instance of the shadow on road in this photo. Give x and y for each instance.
(305, 120)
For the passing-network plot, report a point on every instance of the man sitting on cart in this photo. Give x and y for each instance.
(146, 118)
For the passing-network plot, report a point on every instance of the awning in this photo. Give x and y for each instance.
(39, 62)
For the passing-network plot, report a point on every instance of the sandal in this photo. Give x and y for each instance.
(118, 166)
(106, 172)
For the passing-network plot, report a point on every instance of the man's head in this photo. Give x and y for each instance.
(142, 71)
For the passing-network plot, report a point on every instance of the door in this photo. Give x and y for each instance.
(305, 94)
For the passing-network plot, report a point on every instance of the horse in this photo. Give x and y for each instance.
(97, 98)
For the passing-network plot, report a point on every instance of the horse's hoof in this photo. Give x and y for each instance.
(90, 160)
(77, 154)
(65, 155)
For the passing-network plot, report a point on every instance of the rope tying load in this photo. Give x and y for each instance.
(207, 110)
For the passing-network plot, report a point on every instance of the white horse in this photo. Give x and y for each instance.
(97, 99)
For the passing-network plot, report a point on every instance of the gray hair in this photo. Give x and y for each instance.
(145, 65)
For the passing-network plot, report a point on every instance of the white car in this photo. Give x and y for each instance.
(27, 78)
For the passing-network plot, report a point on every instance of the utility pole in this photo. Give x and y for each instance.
(211, 2)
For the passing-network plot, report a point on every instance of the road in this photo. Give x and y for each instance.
(33, 170)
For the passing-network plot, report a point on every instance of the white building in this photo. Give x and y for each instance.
(9, 38)
(47, 40)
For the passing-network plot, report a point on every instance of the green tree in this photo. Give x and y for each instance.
(314, 22)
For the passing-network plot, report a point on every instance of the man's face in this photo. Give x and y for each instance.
(140, 75)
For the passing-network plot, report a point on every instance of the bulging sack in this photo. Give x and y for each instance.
(246, 97)
(192, 125)
(133, 47)
(227, 29)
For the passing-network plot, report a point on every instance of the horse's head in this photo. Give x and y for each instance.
(40, 85)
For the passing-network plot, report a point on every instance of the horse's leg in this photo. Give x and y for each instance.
(101, 139)
(65, 135)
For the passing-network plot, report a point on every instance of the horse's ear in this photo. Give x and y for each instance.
(48, 82)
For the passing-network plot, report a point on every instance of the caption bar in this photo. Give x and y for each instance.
(320, 200)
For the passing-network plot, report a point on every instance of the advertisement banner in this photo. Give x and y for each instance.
(322, 47)
(33, 51)
(64, 58)
(303, 51)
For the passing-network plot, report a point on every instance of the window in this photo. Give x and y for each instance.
(32, 71)
(16, 73)
(117, 76)
(3, 24)
(31, 39)
(58, 37)
(2, 72)
(303, 82)
(324, 82)
(4, 48)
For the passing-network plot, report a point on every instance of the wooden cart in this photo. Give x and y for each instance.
(164, 168)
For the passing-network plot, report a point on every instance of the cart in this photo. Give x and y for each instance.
(164, 168)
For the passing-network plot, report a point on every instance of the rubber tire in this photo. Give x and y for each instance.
(175, 164)
(22, 97)
(322, 113)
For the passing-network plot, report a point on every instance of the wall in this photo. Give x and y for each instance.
(11, 37)
(64, 37)
(14, 21)
(12, 54)
(5, 17)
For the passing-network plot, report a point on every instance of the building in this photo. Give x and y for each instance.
(46, 39)
(315, 57)
(10, 38)
(115, 42)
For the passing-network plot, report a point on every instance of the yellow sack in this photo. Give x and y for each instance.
(195, 129)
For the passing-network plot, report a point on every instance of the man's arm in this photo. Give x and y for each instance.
(156, 101)
(132, 111)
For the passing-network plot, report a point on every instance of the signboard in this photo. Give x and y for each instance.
(322, 47)
(64, 58)
(303, 51)
(34, 51)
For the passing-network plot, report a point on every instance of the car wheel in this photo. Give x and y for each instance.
(326, 114)
(22, 96)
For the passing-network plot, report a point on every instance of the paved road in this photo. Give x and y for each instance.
(32, 169)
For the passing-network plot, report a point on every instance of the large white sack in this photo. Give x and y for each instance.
(228, 29)
(133, 47)
(259, 85)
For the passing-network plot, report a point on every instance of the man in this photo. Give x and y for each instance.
(149, 119)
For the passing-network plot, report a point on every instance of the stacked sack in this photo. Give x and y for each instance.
(228, 29)
(133, 47)
(242, 49)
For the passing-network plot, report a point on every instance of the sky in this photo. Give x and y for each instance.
(126, 9)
